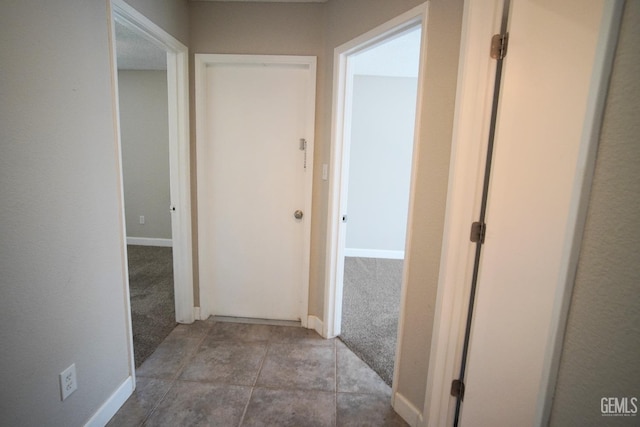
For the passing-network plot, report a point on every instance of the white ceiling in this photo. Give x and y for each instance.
(134, 52)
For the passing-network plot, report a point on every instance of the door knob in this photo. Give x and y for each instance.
(298, 214)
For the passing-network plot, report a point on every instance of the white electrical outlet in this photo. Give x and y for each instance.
(68, 381)
(141, 219)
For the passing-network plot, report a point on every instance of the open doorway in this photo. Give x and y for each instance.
(151, 79)
(383, 89)
(374, 126)
(144, 136)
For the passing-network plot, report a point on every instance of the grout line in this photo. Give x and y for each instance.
(190, 356)
(335, 395)
(174, 379)
(246, 407)
(153, 409)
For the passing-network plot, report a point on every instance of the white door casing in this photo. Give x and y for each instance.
(339, 167)
(548, 124)
(253, 111)
(179, 149)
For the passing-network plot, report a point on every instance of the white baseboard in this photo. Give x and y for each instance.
(316, 324)
(149, 241)
(373, 253)
(406, 410)
(111, 406)
(196, 313)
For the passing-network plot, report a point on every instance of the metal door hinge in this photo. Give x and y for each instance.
(457, 389)
(499, 44)
(478, 231)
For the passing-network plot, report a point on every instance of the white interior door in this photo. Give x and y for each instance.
(253, 175)
(539, 137)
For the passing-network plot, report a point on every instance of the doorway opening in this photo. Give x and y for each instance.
(374, 126)
(382, 87)
(150, 74)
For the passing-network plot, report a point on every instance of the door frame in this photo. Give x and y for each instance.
(339, 160)
(473, 106)
(202, 61)
(179, 149)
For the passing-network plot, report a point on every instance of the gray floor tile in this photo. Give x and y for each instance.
(299, 335)
(200, 404)
(296, 382)
(340, 345)
(226, 362)
(169, 357)
(269, 407)
(197, 329)
(356, 376)
(304, 367)
(146, 396)
(240, 332)
(366, 410)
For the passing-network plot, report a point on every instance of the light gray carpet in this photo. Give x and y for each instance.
(152, 300)
(370, 310)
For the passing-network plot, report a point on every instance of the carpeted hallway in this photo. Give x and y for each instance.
(152, 300)
(370, 311)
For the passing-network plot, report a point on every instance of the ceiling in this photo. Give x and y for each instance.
(134, 52)
(274, 1)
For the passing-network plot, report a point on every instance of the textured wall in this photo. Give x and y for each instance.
(62, 283)
(145, 152)
(602, 342)
(62, 287)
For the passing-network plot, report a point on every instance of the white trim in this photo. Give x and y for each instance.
(149, 241)
(118, 148)
(373, 253)
(476, 72)
(406, 410)
(201, 61)
(179, 151)
(603, 65)
(313, 322)
(475, 84)
(196, 313)
(339, 153)
(112, 404)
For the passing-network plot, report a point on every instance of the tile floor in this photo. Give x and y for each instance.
(214, 373)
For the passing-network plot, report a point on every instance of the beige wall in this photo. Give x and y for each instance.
(145, 152)
(602, 341)
(317, 29)
(62, 285)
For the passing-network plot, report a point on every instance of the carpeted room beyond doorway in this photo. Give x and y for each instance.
(152, 298)
(370, 311)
